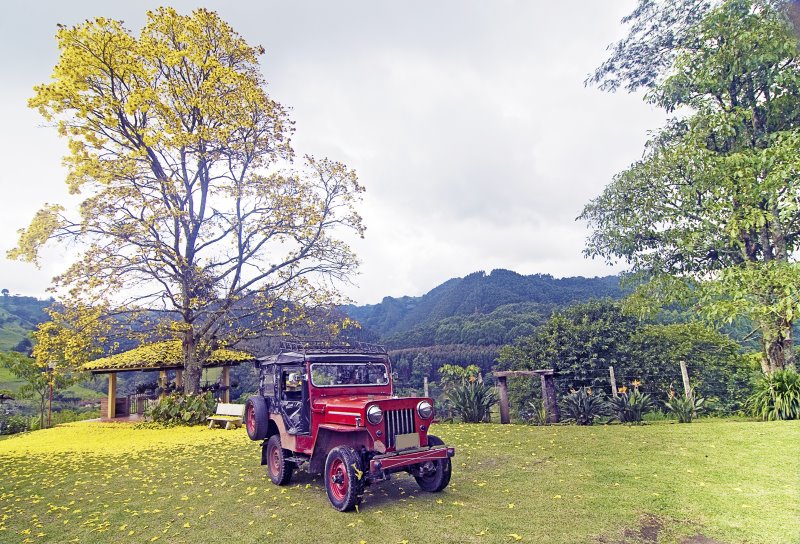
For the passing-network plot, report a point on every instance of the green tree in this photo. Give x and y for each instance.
(581, 342)
(711, 212)
(190, 203)
(39, 378)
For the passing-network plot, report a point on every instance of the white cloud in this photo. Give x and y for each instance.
(468, 123)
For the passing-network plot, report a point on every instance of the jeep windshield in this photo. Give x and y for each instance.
(348, 374)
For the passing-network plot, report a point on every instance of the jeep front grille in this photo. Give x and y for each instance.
(398, 422)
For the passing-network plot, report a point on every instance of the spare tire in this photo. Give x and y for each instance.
(256, 417)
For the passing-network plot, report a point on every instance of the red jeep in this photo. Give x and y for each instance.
(330, 409)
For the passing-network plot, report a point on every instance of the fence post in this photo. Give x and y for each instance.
(425, 390)
(613, 382)
(549, 397)
(687, 388)
(502, 387)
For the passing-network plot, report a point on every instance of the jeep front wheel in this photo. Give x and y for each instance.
(256, 418)
(278, 468)
(343, 478)
(434, 475)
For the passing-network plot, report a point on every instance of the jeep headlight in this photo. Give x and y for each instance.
(374, 414)
(425, 410)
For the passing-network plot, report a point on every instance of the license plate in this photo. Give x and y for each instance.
(406, 441)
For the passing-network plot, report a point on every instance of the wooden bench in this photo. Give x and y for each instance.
(229, 414)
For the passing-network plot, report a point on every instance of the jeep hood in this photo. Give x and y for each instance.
(356, 403)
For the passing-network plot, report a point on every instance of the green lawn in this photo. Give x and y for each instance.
(727, 481)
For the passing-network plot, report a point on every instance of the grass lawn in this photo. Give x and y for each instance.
(708, 482)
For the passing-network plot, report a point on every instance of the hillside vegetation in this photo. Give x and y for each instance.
(480, 294)
(18, 317)
(715, 482)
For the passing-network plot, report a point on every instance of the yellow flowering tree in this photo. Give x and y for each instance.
(190, 203)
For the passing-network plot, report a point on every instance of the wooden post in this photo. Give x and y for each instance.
(112, 396)
(226, 383)
(549, 397)
(162, 382)
(613, 382)
(502, 387)
(425, 390)
(687, 388)
(179, 378)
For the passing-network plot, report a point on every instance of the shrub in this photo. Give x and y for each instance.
(14, 424)
(629, 407)
(472, 400)
(777, 396)
(582, 406)
(180, 409)
(685, 408)
(536, 413)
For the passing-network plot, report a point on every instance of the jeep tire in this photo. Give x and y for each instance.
(256, 417)
(279, 469)
(435, 481)
(343, 478)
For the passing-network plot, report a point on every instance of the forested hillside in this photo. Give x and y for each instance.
(18, 317)
(466, 320)
(471, 299)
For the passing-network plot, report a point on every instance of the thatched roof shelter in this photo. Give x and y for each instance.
(160, 356)
(166, 355)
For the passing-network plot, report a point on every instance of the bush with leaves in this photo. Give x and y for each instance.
(472, 400)
(583, 406)
(685, 407)
(629, 407)
(777, 396)
(179, 409)
(14, 424)
(535, 413)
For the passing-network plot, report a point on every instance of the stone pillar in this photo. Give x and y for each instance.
(162, 382)
(112, 396)
(502, 387)
(549, 397)
(226, 383)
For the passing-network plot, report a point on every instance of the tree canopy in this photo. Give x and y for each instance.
(711, 212)
(190, 202)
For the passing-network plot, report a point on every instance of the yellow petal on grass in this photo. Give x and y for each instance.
(515, 536)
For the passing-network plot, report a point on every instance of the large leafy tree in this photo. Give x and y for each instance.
(190, 202)
(712, 211)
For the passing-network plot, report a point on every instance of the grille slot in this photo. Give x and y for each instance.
(398, 422)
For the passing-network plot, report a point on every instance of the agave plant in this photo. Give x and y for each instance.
(582, 406)
(777, 396)
(472, 400)
(536, 413)
(686, 407)
(629, 407)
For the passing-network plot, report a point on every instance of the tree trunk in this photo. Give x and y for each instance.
(778, 346)
(191, 364)
(41, 411)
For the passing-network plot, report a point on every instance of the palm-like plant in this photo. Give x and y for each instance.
(582, 406)
(685, 407)
(472, 400)
(629, 407)
(777, 396)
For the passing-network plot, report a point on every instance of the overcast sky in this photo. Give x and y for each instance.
(467, 122)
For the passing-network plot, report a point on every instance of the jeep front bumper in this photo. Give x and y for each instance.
(392, 462)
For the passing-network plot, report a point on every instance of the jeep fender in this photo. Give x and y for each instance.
(330, 436)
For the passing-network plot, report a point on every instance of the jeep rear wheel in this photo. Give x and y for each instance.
(256, 418)
(343, 478)
(278, 468)
(434, 475)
